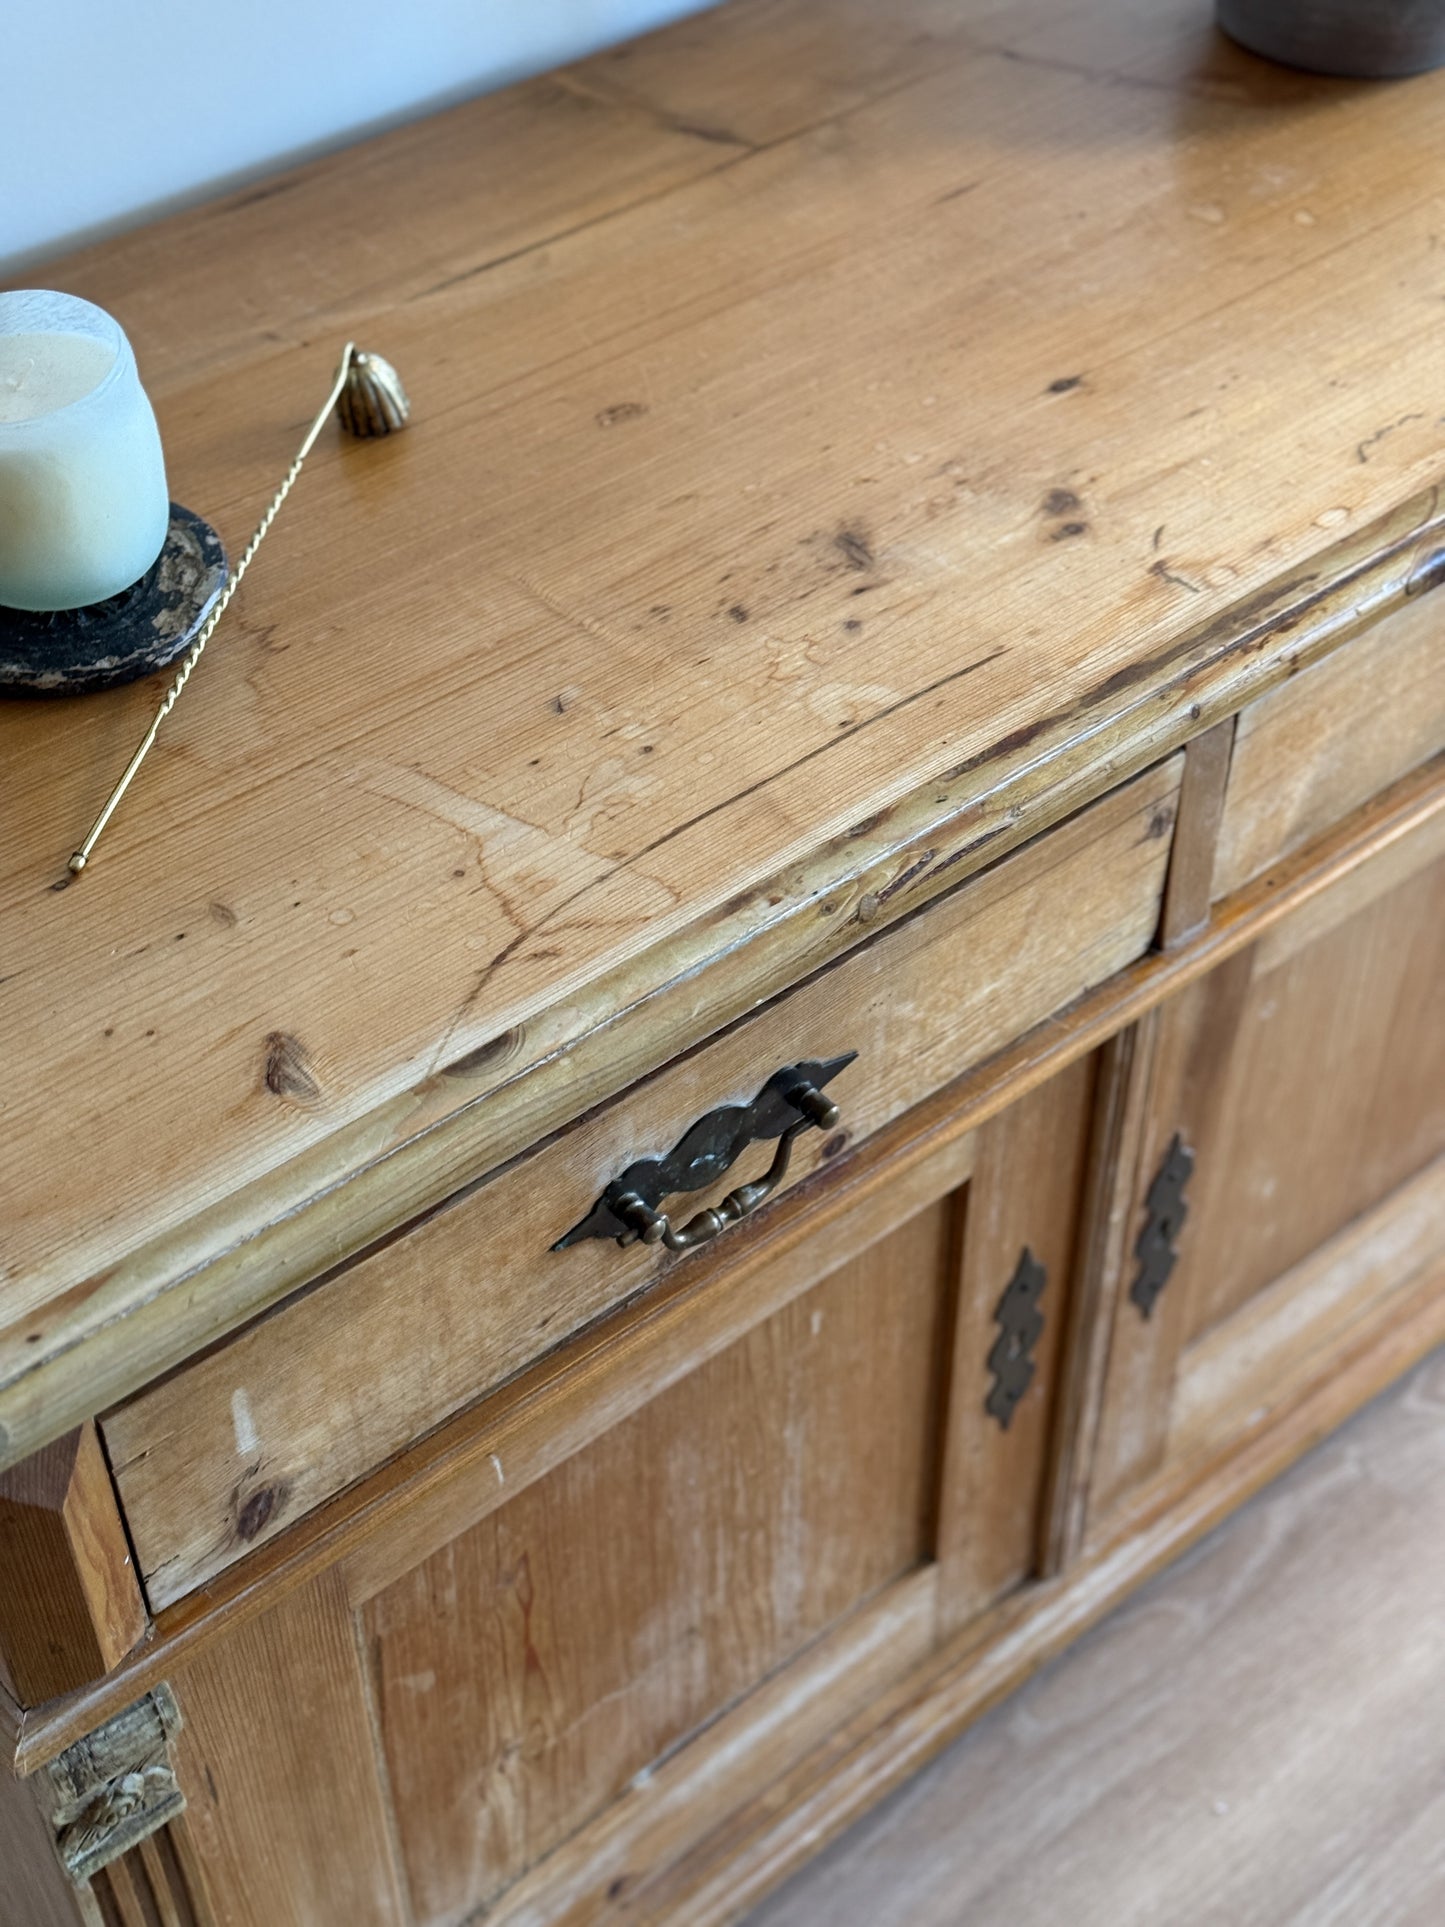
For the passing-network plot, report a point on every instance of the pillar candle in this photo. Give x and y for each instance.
(84, 507)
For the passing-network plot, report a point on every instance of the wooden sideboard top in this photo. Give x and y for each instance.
(846, 439)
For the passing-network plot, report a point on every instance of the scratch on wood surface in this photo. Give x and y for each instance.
(1166, 574)
(496, 830)
(582, 86)
(574, 618)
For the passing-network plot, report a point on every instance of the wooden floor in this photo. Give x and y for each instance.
(1257, 1739)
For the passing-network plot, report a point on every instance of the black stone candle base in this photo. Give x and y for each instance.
(69, 652)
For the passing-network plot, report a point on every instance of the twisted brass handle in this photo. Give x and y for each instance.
(656, 1228)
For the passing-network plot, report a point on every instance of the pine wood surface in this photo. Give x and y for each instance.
(1024, 1194)
(71, 1606)
(287, 1814)
(412, 1506)
(1241, 1370)
(1251, 1741)
(1333, 1094)
(35, 1892)
(875, 1752)
(1329, 739)
(235, 1447)
(1189, 890)
(1306, 1078)
(579, 1632)
(156, 1884)
(1105, 1222)
(829, 417)
(670, 1808)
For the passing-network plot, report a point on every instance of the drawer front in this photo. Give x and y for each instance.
(1331, 738)
(215, 1460)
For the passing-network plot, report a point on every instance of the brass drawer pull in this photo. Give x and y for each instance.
(791, 1102)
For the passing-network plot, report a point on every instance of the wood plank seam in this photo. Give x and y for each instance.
(1189, 889)
(1114, 1149)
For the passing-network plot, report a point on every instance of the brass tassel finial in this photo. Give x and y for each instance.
(372, 399)
(369, 399)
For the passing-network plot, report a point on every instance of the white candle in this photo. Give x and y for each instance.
(83, 503)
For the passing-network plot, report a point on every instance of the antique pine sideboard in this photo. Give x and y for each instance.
(900, 634)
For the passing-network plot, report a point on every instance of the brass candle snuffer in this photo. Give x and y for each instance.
(369, 400)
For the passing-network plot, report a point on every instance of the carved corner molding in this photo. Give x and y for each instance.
(116, 1786)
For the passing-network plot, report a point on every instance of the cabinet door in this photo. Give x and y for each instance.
(705, 1543)
(1289, 1198)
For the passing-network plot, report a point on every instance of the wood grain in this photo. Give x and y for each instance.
(664, 1812)
(1121, 1100)
(627, 549)
(527, 1670)
(231, 1450)
(35, 1891)
(1332, 737)
(1233, 1377)
(408, 1509)
(70, 1603)
(284, 1804)
(150, 1887)
(1024, 1194)
(1195, 1035)
(1332, 1094)
(905, 1728)
(1306, 1076)
(1243, 1741)
(1189, 890)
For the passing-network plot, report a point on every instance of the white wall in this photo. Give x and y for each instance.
(113, 110)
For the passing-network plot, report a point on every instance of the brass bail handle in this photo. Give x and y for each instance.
(656, 1228)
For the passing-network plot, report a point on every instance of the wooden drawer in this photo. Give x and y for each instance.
(213, 1461)
(1337, 734)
